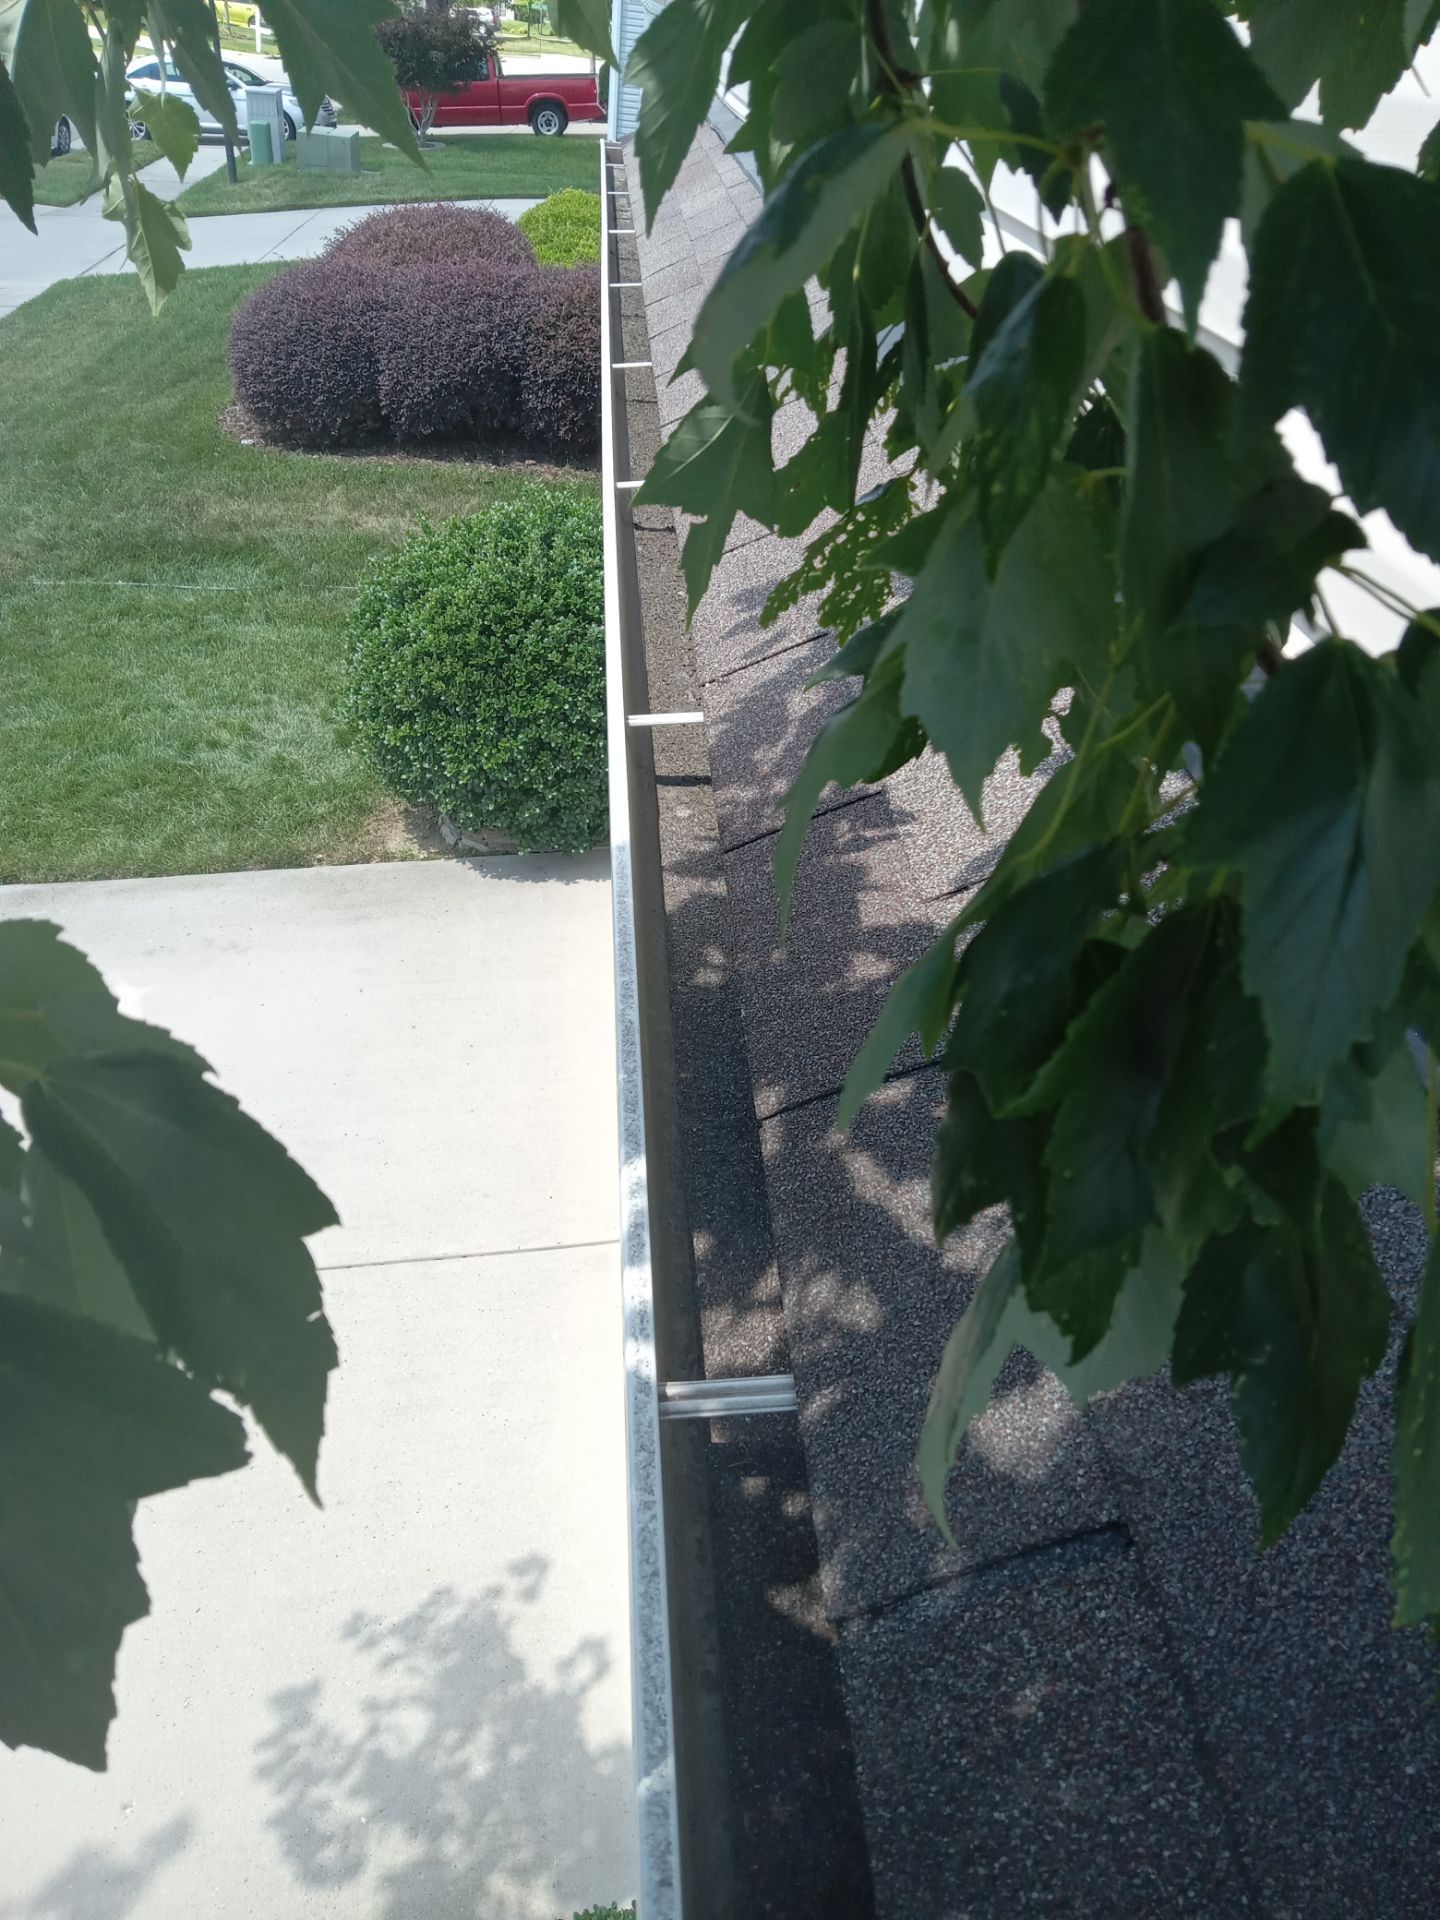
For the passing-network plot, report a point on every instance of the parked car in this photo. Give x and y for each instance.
(549, 101)
(146, 74)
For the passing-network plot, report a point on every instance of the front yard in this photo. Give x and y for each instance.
(173, 602)
(469, 166)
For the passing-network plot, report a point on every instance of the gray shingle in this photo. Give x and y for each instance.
(761, 722)
(1322, 1719)
(728, 634)
(1022, 1751)
(853, 930)
(870, 1303)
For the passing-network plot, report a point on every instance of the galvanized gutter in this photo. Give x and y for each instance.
(653, 1709)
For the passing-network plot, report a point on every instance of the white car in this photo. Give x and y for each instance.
(146, 74)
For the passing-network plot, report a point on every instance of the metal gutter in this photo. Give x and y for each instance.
(659, 1895)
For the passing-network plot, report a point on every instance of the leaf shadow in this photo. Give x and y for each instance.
(439, 1776)
(104, 1883)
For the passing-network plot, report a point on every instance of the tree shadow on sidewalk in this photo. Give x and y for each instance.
(448, 1780)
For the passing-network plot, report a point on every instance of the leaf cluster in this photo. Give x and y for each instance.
(152, 1252)
(1194, 1012)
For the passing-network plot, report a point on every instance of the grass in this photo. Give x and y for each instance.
(474, 166)
(514, 45)
(67, 178)
(174, 602)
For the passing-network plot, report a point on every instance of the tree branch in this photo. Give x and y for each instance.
(895, 85)
(1143, 276)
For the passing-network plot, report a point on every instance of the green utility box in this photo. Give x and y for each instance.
(328, 150)
(262, 146)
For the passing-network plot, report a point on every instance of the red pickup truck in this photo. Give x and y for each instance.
(549, 101)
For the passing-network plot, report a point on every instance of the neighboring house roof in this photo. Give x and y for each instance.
(1105, 1702)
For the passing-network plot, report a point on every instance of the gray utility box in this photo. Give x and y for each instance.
(263, 109)
(329, 150)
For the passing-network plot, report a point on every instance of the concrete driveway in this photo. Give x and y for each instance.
(415, 1703)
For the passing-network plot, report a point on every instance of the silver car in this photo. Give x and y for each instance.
(145, 74)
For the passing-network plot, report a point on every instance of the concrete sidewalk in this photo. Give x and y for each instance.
(414, 1704)
(78, 240)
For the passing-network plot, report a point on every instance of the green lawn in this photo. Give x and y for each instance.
(68, 177)
(471, 166)
(515, 46)
(172, 603)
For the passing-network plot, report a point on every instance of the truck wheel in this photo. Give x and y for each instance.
(549, 119)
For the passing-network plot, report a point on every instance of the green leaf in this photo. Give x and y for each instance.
(919, 1002)
(44, 45)
(328, 46)
(188, 29)
(957, 209)
(815, 73)
(983, 1160)
(206, 1213)
(17, 169)
(1174, 87)
(716, 463)
(90, 1422)
(1326, 800)
(985, 659)
(1274, 152)
(1356, 53)
(1265, 567)
(62, 1258)
(1417, 661)
(932, 348)
(1108, 1083)
(821, 198)
(1016, 39)
(864, 741)
(1182, 486)
(1297, 1332)
(981, 1343)
(1343, 319)
(1428, 164)
(676, 64)
(1054, 181)
(171, 124)
(1024, 373)
(156, 232)
(858, 655)
(1375, 1126)
(1213, 545)
(1216, 1083)
(999, 1319)
(1415, 1546)
(1018, 976)
(587, 22)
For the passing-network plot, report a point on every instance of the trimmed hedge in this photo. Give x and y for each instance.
(477, 669)
(305, 353)
(396, 345)
(565, 229)
(439, 235)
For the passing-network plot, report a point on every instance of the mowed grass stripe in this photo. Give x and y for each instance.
(479, 166)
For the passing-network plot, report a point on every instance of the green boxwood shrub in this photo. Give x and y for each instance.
(565, 229)
(477, 669)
